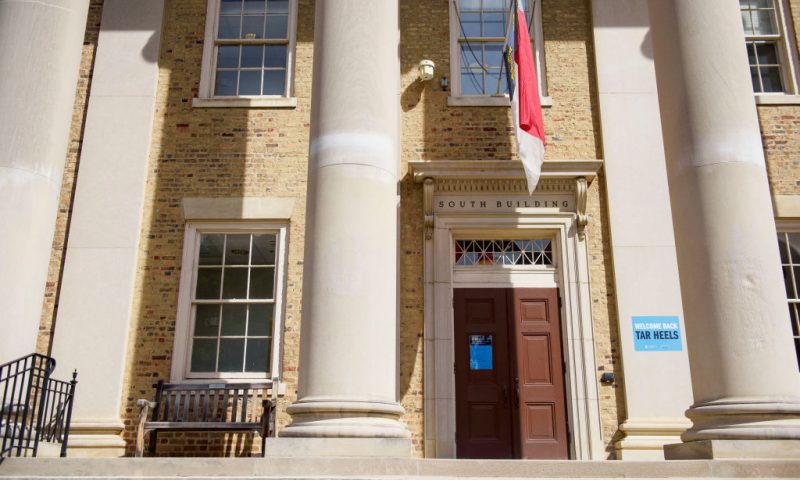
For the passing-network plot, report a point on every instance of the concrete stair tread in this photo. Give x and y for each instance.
(389, 468)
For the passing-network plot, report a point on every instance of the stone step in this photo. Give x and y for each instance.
(389, 468)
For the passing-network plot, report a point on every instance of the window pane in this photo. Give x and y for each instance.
(225, 83)
(496, 5)
(764, 22)
(257, 355)
(495, 80)
(767, 54)
(253, 26)
(277, 26)
(274, 82)
(206, 321)
(771, 79)
(204, 353)
(747, 22)
(469, 5)
(254, 6)
(755, 79)
(796, 283)
(235, 285)
(260, 322)
(237, 248)
(471, 83)
(229, 26)
(233, 320)
(470, 24)
(275, 56)
(787, 280)
(250, 82)
(278, 6)
(261, 282)
(230, 6)
(208, 283)
(751, 53)
(493, 53)
(211, 249)
(231, 354)
(252, 56)
(494, 24)
(794, 247)
(228, 56)
(471, 56)
(263, 249)
(794, 310)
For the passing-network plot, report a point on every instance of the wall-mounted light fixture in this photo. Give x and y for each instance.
(426, 70)
(444, 82)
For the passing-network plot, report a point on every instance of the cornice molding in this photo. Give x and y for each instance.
(499, 169)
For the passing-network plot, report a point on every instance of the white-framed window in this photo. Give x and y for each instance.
(478, 31)
(770, 46)
(248, 52)
(230, 305)
(789, 245)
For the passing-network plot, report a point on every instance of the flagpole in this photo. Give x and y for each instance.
(512, 15)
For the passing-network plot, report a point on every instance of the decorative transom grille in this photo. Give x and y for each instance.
(504, 252)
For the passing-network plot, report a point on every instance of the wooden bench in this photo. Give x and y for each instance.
(222, 407)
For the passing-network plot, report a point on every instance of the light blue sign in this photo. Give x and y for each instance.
(480, 352)
(657, 334)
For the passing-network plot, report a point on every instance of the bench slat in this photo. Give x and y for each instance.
(235, 404)
(244, 405)
(201, 426)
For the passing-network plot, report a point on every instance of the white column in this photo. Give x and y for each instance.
(40, 53)
(97, 292)
(643, 243)
(744, 370)
(348, 365)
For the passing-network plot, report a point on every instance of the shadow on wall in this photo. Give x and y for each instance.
(206, 152)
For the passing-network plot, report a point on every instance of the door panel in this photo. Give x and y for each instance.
(540, 403)
(483, 408)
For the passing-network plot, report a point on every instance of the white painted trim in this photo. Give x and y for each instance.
(571, 275)
(786, 206)
(777, 99)
(245, 102)
(488, 101)
(184, 323)
(206, 98)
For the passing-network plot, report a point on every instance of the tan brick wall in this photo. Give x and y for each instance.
(263, 152)
(780, 129)
(50, 304)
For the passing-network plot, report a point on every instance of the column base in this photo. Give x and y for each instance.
(96, 440)
(733, 449)
(319, 417)
(744, 419)
(337, 447)
(645, 438)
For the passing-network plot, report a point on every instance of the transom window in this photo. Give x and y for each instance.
(789, 244)
(252, 47)
(503, 252)
(478, 30)
(768, 47)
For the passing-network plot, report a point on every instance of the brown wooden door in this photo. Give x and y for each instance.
(483, 374)
(538, 374)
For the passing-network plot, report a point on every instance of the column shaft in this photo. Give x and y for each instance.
(40, 52)
(348, 366)
(744, 374)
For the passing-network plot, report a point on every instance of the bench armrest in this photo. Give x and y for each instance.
(145, 406)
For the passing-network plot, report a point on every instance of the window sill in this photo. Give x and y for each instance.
(266, 102)
(488, 101)
(777, 99)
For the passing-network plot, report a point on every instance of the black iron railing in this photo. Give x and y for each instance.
(34, 407)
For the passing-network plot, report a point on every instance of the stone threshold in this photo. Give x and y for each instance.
(363, 468)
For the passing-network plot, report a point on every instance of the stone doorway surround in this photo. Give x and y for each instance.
(470, 199)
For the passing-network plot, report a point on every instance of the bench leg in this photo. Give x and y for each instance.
(151, 450)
